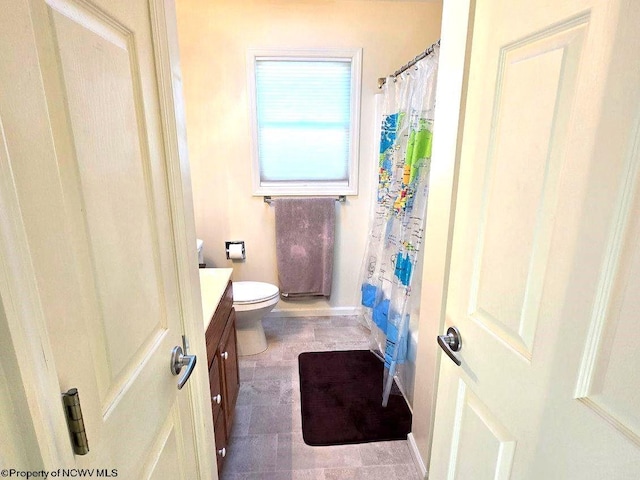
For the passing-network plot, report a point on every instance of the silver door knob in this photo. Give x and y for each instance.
(225, 355)
(222, 452)
(451, 342)
(217, 399)
(179, 360)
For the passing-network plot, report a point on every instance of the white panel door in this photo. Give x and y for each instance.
(83, 136)
(545, 266)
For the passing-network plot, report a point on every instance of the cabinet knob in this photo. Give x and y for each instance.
(225, 355)
(217, 399)
(222, 452)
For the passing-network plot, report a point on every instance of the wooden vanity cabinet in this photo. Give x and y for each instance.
(222, 358)
(229, 355)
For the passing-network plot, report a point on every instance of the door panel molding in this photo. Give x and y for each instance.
(515, 253)
(89, 44)
(615, 310)
(498, 447)
(161, 458)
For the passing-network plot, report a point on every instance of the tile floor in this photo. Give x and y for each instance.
(266, 440)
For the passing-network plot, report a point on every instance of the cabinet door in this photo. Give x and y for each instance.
(220, 432)
(217, 393)
(229, 356)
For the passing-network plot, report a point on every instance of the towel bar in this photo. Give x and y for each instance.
(341, 199)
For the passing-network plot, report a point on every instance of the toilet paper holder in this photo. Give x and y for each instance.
(228, 248)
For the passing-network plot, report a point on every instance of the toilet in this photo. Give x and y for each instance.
(199, 245)
(252, 301)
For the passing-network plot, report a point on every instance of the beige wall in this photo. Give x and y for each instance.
(214, 37)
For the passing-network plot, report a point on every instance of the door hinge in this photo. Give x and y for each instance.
(75, 422)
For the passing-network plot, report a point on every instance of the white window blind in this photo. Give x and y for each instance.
(305, 124)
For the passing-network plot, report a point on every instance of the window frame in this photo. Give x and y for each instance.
(350, 187)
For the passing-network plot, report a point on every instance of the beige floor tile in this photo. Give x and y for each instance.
(276, 371)
(346, 321)
(317, 474)
(290, 392)
(251, 453)
(275, 419)
(339, 334)
(382, 472)
(298, 333)
(385, 453)
(260, 392)
(311, 321)
(291, 351)
(294, 454)
(246, 374)
(241, 419)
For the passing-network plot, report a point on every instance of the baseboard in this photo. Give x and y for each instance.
(415, 454)
(314, 312)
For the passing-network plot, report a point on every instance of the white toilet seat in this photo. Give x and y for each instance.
(250, 293)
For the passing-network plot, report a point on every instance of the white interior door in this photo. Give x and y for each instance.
(84, 139)
(545, 263)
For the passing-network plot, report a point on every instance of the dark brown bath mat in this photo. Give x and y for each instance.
(341, 395)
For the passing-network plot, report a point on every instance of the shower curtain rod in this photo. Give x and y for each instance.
(426, 53)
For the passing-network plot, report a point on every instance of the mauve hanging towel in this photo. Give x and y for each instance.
(305, 231)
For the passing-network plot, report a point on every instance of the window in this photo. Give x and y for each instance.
(305, 111)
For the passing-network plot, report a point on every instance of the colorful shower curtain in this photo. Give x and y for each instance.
(397, 226)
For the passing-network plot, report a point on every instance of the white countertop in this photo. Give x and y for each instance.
(213, 282)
